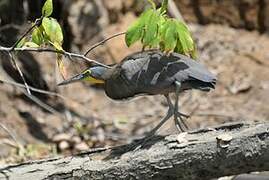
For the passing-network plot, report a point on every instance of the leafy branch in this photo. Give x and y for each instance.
(154, 29)
(45, 35)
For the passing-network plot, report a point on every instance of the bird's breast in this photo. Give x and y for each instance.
(125, 84)
(118, 86)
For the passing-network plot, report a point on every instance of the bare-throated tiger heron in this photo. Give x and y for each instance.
(150, 73)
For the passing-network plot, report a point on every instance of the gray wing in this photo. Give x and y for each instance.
(194, 69)
(153, 66)
(146, 69)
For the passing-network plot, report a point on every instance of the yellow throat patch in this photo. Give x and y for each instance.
(94, 81)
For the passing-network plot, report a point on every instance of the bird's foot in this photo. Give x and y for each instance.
(140, 143)
(180, 122)
(183, 115)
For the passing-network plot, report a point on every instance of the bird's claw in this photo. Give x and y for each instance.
(184, 115)
(179, 122)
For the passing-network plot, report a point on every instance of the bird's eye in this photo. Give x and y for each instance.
(87, 72)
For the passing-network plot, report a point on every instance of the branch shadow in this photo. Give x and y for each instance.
(136, 145)
(31, 71)
(34, 127)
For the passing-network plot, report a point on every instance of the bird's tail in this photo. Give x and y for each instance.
(204, 86)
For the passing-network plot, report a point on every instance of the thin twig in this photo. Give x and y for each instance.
(20, 72)
(103, 42)
(32, 88)
(11, 135)
(37, 22)
(41, 104)
(35, 99)
(65, 53)
(174, 11)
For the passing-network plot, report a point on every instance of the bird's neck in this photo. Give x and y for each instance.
(104, 73)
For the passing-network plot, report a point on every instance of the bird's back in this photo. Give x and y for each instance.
(153, 72)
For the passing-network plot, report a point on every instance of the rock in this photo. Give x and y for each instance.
(63, 145)
(241, 83)
(5, 148)
(100, 134)
(81, 146)
(115, 5)
(61, 137)
(128, 3)
(76, 139)
(224, 140)
(264, 85)
(181, 138)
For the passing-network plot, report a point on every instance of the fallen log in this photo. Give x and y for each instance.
(228, 149)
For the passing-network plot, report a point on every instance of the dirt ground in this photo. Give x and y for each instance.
(87, 118)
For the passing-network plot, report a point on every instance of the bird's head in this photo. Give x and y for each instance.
(94, 75)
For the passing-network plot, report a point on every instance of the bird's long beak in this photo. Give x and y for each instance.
(73, 79)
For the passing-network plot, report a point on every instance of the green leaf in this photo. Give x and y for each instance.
(193, 53)
(47, 8)
(31, 45)
(37, 36)
(21, 43)
(185, 44)
(152, 4)
(185, 41)
(57, 46)
(61, 67)
(155, 29)
(151, 28)
(134, 33)
(52, 30)
(136, 30)
(164, 6)
(169, 35)
(178, 48)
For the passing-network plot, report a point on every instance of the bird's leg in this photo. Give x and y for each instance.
(177, 123)
(167, 116)
(178, 114)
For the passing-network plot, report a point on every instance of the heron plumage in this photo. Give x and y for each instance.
(153, 72)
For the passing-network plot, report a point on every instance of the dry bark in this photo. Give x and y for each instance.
(202, 154)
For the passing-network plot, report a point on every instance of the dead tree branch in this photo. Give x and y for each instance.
(103, 42)
(11, 49)
(174, 11)
(37, 22)
(41, 91)
(202, 154)
(13, 60)
(65, 53)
